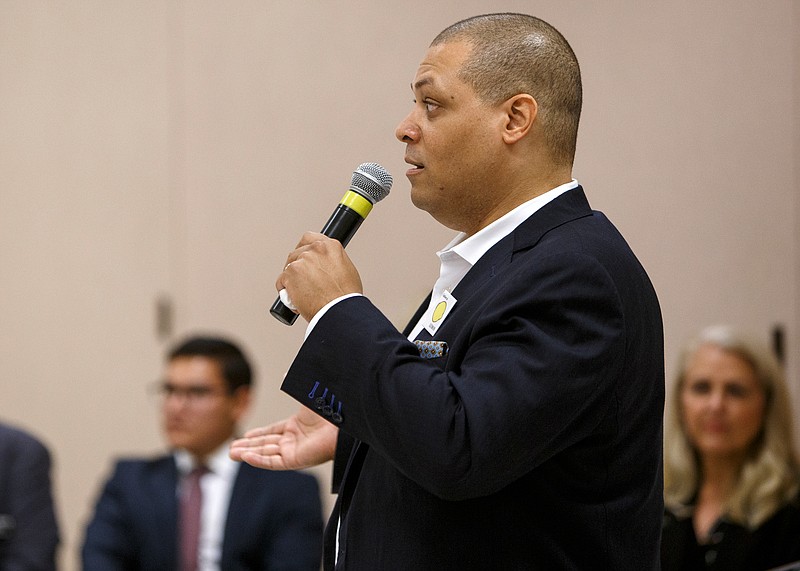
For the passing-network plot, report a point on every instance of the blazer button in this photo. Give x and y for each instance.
(336, 418)
(319, 403)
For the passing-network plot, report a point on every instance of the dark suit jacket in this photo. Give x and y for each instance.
(535, 442)
(274, 520)
(28, 527)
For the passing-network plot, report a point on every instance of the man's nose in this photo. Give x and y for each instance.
(406, 131)
(176, 400)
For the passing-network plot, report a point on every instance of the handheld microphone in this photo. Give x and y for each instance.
(370, 184)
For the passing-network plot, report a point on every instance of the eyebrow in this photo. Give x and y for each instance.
(422, 82)
(191, 384)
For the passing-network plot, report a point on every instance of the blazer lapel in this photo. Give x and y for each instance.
(163, 500)
(240, 505)
(565, 208)
(568, 207)
(417, 315)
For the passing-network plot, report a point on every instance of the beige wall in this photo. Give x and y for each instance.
(178, 149)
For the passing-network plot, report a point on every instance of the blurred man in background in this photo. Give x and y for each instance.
(195, 508)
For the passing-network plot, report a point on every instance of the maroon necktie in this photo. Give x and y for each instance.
(191, 506)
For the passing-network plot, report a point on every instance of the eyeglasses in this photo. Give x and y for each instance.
(191, 394)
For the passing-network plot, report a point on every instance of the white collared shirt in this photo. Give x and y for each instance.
(458, 257)
(216, 486)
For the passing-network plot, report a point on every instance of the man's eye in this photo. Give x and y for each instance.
(198, 392)
(430, 107)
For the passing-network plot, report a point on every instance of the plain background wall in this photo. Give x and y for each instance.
(175, 151)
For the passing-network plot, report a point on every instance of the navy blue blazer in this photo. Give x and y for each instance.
(28, 526)
(274, 520)
(533, 442)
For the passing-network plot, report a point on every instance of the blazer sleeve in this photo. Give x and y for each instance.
(33, 537)
(108, 544)
(530, 370)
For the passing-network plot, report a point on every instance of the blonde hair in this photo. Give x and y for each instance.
(769, 477)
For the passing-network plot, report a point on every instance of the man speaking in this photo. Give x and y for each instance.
(516, 422)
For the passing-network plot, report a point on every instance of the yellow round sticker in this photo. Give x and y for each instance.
(439, 311)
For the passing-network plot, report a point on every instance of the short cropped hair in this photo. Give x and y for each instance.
(517, 53)
(233, 364)
(769, 476)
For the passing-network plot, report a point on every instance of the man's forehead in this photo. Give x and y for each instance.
(195, 367)
(441, 60)
(427, 74)
(193, 381)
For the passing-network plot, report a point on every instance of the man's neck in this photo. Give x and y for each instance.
(525, 190)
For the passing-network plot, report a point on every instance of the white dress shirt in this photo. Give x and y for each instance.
(216, 486)
(458, 257)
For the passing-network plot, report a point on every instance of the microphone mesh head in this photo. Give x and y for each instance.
(372, 181)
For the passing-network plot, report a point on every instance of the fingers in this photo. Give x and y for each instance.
(256, 442)
(260, 451)
(257, 439)
(274, 462)
(315, 272)
(274, 428)
(309, 241)
(309, 238)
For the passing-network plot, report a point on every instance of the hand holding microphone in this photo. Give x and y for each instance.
(370, 184)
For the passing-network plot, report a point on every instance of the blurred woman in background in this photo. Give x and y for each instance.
(730, 466)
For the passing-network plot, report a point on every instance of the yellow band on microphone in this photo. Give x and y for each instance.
(357, 202)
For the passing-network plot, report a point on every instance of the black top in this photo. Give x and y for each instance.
(732, 547)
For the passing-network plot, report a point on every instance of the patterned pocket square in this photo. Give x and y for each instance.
(431, 349)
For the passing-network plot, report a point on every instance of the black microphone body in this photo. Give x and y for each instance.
(370, 184)
(342, 224)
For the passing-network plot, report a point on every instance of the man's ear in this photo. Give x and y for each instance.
(242, 397)
(521, 112)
